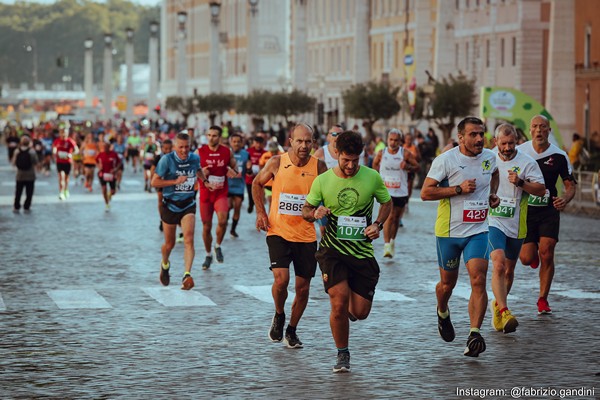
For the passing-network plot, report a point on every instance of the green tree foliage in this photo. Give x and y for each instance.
(215, 104)
(57, 31)
(286, 104)
(185, 106)
(453, 97)
(370, 102)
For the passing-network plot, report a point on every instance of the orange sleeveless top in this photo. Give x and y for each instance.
(290, 187)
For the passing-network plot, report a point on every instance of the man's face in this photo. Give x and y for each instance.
(258, 145)
(333, 134)
(472, 139)
(213, 137)
(349, 164)
(182, 147)
(166, 148)
(236, 143)
(539, 130)
(393, 141)
(301, 142)
(506, 145)
(105, 146)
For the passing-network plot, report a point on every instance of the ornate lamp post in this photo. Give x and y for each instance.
(153, 61)
(129, 78)
(181, 54)
(253, 46)
(215, 73)
(88, 72)
(107, 76)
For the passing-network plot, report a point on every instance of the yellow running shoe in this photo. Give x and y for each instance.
(496, 317)
(387, 250)
(509, 322)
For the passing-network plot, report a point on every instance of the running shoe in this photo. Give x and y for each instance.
(509, 322)
(535, 263)
(250, 209)
(475, 345)
(393, 247)
(61, 195)
(276, 331)
(219, 254)
(165, 278)
(400, 224)
(160, 227)
(387, 250)
(179, 238)
(445, 328)
(187, 283)
(351, 317)
(207, 262)
(234, 234)
(496, 316)
(343, 362)
(292, 341)
(67, 194)
(107, 208)
(543, 306)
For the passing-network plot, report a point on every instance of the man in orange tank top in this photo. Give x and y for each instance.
(289, 237)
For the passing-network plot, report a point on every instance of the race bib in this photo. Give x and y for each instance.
(537, 201)
(475, 211)
(506, 209)
(255, 169)
(187, 186)
(218, 182)
(90, 153)
(108, 177)
(291, 204)
(391, 182)
(149, 156)
(63, 155)
(351, 228)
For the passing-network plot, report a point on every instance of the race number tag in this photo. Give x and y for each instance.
(255, 169)
(475, 211)
(391, 182)
(187, 186)
(149, 156)
(291, 204)
(108, 177)
(351, 228)
(506, 209)
(537, 201)
(63, 155)
(218, 182)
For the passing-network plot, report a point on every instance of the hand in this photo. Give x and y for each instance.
(494, 200)
(321, 212)
(180, 179)
(206, 171)
(559, 203)
(468, 186)
(262, 222)
(231, 173)
(513, 177)
(209, 185)
(372, 231)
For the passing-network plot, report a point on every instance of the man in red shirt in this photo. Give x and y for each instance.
(256, 150)
(63, 149)
(217, 164)
(108, 164)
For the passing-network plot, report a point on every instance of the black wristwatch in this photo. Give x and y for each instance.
(379, 225)
(520, 183)
(458, 189)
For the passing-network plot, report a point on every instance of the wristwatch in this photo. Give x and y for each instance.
(520, 183)
(458, 189)
(379, 225)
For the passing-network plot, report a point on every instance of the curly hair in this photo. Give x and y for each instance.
(349, 142)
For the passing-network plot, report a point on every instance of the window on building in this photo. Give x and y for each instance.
(502, 52)
(587, 50)
(514, 51)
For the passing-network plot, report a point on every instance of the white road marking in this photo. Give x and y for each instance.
(2, 305)
(577, 294)
(175, 297)
(78, 298)
(383, 295)
(263, 293)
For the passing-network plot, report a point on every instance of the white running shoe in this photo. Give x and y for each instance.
(387, 250)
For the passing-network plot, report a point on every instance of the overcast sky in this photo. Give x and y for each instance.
(143, 2)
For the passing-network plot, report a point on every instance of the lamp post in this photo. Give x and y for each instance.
(107, 73)
(153, 61)
(181, 54)
(129, 78)
(32, 48)
(88, 72)
(253, 46)
(215, 73)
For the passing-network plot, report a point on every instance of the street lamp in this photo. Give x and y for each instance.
(181, 54)
(129, 76)
(108, 75)
(253, 6)
(88, 72)
(252, 52)
(215, 73)
(215, 9)
(153, 61)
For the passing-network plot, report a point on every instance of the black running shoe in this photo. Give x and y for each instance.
(445, 328)
(165, 278)
(207, 262)
(219, 254)
(234, 234)
(352, 317)
(292, 341)
(160, 227)
(475, 345)
(343, 362)
(276, 331)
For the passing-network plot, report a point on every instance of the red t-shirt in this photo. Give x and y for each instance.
(109, 160)
(64, 150)
(255, 155)
(217, 161)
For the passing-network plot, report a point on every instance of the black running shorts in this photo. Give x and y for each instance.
(399, 201)
(542, 223)
(63, 167)
(283, 252)
(174, 218)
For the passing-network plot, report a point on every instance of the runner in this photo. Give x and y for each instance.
(89, 151)
(465, 179)
(133, 149)
(255, 151)
(218, 164)
(108, 164)
(176, 174)
(349, 269)
(237, 184)
(289, 237)
(166, 147)
(543, 216)
(120, 148)
(393, 162)
(519, 175)
(63, 149)
(149, 153)
(272, 150)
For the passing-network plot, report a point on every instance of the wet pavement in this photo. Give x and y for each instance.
(83, 315)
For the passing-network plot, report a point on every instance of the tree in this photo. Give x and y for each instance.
(255, 104)
(370, 102)
(215, 104)
(453, 97)
(183, 105)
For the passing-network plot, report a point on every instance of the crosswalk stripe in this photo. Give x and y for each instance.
(383, 295)
(262, 293)
(2, 305)
(175, 297)
(463, 290)
(78, 298)
(577, 294)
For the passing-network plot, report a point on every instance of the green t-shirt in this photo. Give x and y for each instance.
(351, 203)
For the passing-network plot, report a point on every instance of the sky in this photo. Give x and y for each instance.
(141, 2)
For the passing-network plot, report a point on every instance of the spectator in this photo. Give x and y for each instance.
(25, 159)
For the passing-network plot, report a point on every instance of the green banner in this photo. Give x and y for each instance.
(516, 107)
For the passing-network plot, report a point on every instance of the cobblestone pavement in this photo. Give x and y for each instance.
(83, 315)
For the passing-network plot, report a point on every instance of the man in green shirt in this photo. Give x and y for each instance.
(349, 269)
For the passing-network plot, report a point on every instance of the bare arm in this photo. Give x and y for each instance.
(159, 182)
(321, 167)
(494, 200)
(372, 231)
(431, 190)
(258, 194)
(537, 189)
(410, 159)
(377, 160)
(320, 154)
(561, 202)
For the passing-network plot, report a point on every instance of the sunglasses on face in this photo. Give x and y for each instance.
(334, 134)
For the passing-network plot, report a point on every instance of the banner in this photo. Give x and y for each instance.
(516, 107)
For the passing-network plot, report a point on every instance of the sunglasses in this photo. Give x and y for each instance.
(334, 134)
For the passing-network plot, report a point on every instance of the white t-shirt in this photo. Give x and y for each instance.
(511, 215)
(464, 215)
(394, 177)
